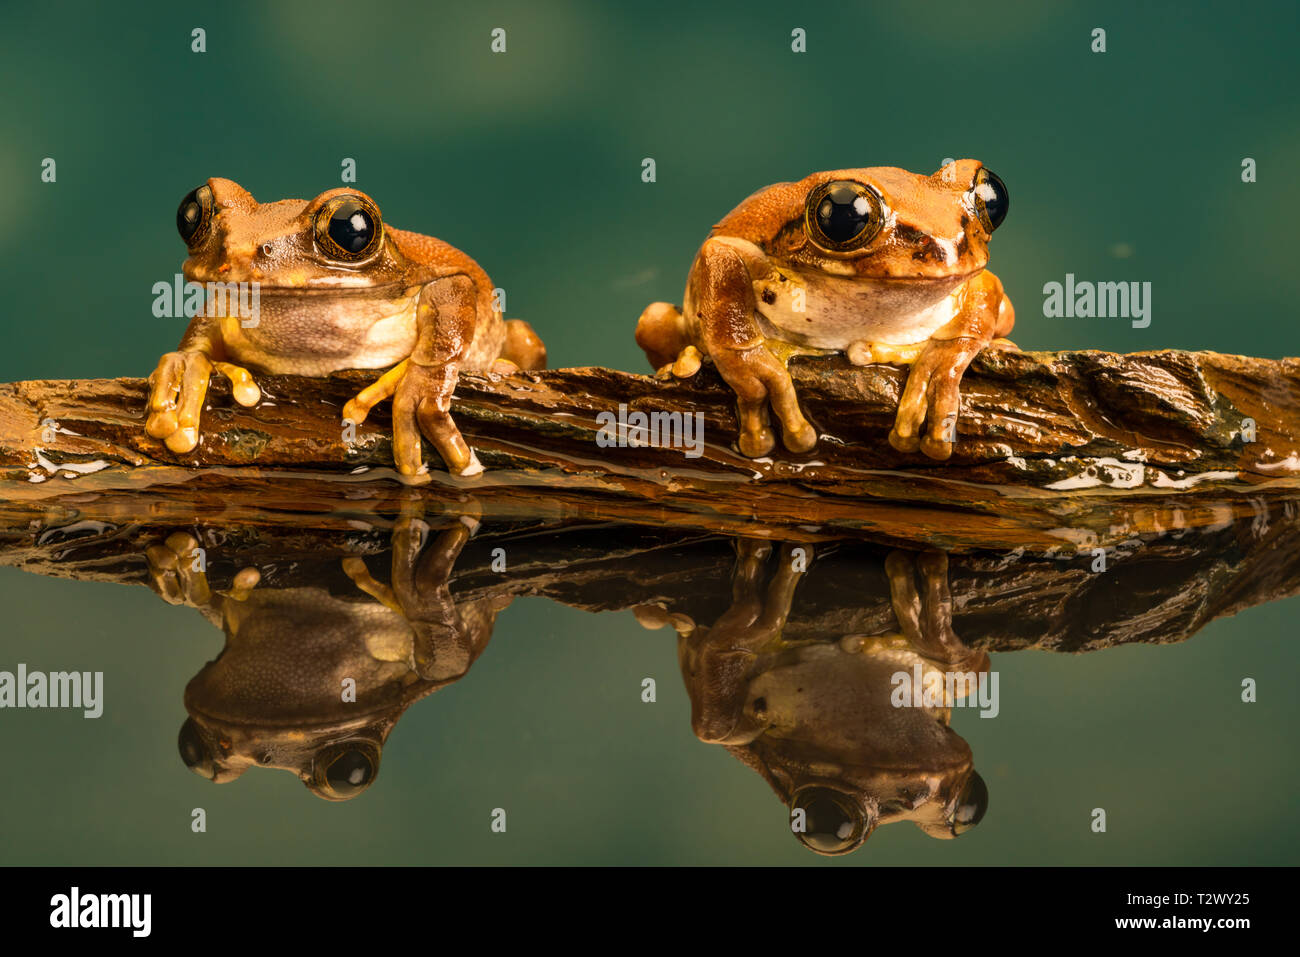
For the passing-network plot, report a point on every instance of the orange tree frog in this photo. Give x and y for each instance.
(337, 289)
(880, 264)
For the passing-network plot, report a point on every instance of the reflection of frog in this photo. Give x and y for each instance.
(815, 718)
(338, 289)
(275, 696)
(881, 264)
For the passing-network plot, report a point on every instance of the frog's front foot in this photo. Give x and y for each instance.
(177, 389)
(421, 403)
(176, 573)
(175, 570)
(758, 377)
(927, 412)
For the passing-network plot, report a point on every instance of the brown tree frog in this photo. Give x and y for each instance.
(278, 695)
(817, 718)
(880, 264)
(338, 289)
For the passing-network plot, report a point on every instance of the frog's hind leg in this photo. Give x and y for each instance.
(1005, 322)
(524, 347)
(661, 333)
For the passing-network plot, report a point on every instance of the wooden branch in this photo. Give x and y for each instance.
(1054, 449)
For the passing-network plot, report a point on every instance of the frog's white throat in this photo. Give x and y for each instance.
(814, 309)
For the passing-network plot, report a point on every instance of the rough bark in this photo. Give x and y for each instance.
(1055, 450)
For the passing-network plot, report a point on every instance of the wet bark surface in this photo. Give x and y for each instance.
(1054, 451)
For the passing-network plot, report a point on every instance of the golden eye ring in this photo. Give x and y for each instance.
(843, 215)
(342, 771)
(349, 228)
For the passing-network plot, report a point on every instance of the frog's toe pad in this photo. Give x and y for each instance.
(475, 467)
(904, 443)
(859, 353)
(802, 439)
(246, 394)
(162, 424)
(688, 363)
(355, 412)
(183, 440)
(422, 477)
(756, 445)
(939, 449)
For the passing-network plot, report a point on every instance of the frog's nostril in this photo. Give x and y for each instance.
(267, 249)
(930, 250)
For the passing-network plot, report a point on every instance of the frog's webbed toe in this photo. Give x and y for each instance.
(653, 617)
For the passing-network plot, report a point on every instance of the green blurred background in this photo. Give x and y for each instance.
(1121, 166)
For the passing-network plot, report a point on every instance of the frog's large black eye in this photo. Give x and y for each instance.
(843, 215)
(194, 752)
(348, 228)
(972, 804)
(833, 823)
(194, 216)
(991, 199)
(341, 772)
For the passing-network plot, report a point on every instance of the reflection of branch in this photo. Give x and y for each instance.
(1068, 434)
(1158, 591)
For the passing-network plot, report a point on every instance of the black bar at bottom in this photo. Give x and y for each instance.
(363, 906)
